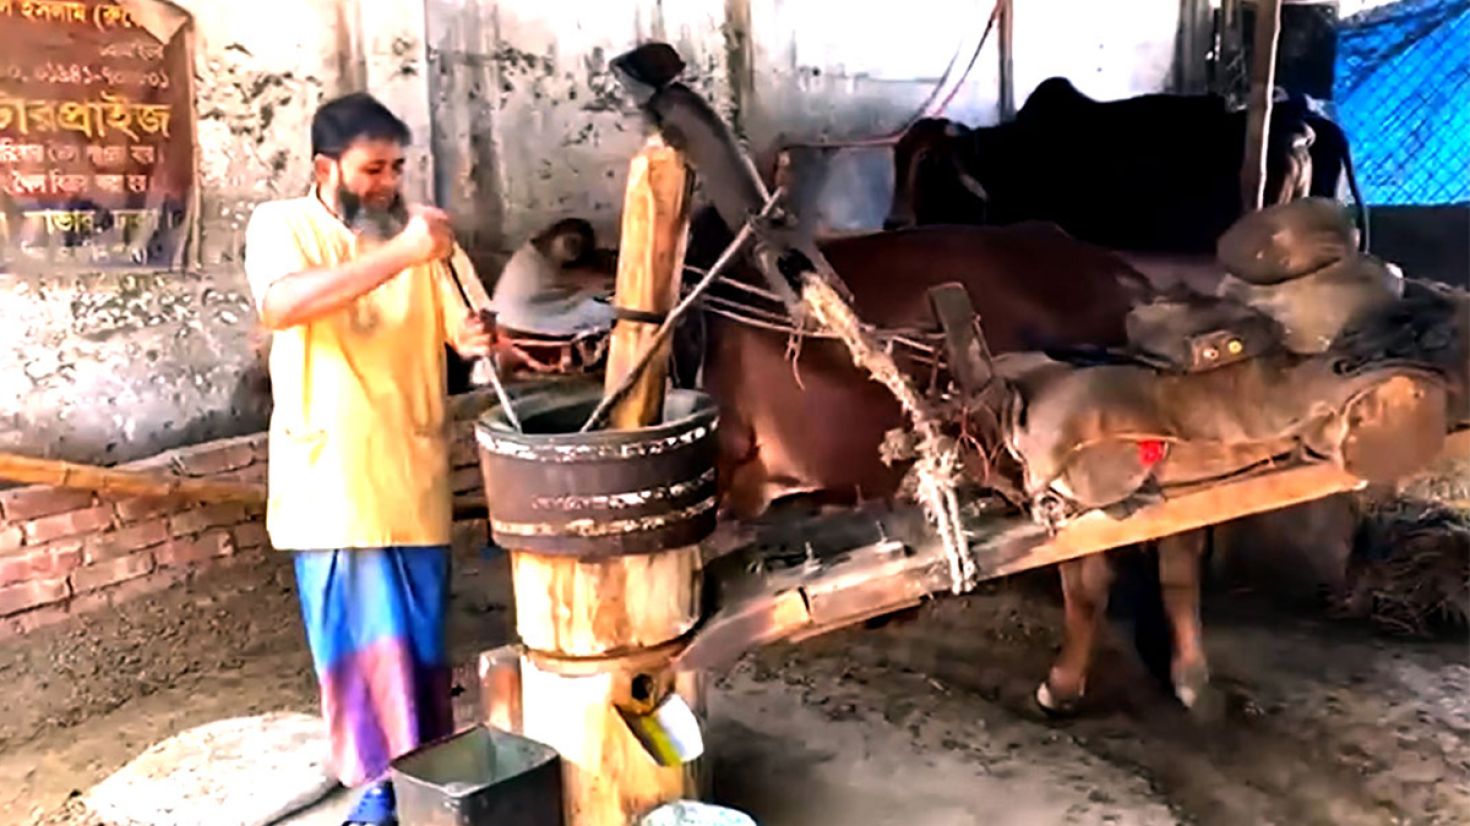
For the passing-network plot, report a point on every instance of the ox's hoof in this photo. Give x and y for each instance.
(1192, 687)
(1054, 705)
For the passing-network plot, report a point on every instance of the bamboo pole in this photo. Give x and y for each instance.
(60, 474)
(1258, 123)
(599, 634)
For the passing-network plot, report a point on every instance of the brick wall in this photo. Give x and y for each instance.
(65, 552)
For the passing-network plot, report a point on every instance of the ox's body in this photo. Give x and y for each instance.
(798, 417)
(1153, 173)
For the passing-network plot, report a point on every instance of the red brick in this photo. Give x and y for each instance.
(41, 562)
(11, 537)
(34, 502)
(179, 552)
(466, 480)
(191, 522)
(111, 572)
(207, 460)
(26, 595)
(126, 540)
(72, 523)
(250, 536)
(134, 509)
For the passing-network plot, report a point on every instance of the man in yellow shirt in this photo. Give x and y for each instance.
(354, 287)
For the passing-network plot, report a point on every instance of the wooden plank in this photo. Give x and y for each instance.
(650, 258)
(1258, 122)
(56, 473)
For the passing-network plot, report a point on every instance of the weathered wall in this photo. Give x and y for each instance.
(517, 121)
(113, 367)
(530, 126)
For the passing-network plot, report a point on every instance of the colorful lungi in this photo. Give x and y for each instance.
(375, 622)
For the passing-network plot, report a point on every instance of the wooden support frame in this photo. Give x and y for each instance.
(900, 571)
(597, 634)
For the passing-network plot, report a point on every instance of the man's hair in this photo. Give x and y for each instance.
(342, 122)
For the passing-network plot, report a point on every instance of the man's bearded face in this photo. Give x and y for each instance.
(368, 181)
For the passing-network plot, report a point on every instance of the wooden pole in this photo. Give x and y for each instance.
(1007, 69)
(1263, 85)
(56, 473)
(599, 634)
(650, 261)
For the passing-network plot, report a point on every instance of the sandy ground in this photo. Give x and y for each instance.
(921, 722)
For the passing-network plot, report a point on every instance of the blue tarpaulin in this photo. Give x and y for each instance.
(1403, 96)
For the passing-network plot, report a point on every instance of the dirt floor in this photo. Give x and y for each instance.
(921, 722)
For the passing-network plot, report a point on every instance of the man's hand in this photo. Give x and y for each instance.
(427, 237)
(476, 337)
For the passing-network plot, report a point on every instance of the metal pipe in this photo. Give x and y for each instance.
(484, 367)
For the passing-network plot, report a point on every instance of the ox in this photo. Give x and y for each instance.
(1154, 173)
(798, 417)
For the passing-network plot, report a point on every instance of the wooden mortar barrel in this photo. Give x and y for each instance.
(603, 531)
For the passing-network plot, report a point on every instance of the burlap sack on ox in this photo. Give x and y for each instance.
(1298, 264)
(1313, 309)
(1287, 241)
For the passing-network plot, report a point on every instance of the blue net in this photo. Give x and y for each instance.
(1402, 94)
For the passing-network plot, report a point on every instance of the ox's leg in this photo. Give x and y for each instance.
(1085, 585)
(1179, 578)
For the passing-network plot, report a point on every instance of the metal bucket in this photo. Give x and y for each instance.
(557, 492)
(479, 777)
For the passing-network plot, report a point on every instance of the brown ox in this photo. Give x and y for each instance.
(798, 417)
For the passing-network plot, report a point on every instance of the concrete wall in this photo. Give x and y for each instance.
(530, 126)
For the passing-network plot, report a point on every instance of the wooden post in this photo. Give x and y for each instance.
(599, 634)
(1007, 51)
(650, 261)
(1258, 124)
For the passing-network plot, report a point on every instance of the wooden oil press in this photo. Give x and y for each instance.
(626, 595)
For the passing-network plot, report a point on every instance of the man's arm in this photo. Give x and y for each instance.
(297, 297)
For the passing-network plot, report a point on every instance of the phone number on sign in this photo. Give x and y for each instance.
(84, 75)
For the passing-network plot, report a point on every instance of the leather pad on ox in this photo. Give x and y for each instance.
(1096, 435)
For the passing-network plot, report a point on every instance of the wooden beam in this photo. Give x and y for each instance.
(60, 474)
(907, 565)
(650, 263)
(1258, 123)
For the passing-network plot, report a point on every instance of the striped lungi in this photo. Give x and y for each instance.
(375, 622)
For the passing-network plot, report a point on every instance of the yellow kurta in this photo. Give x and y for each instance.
(359, 445)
